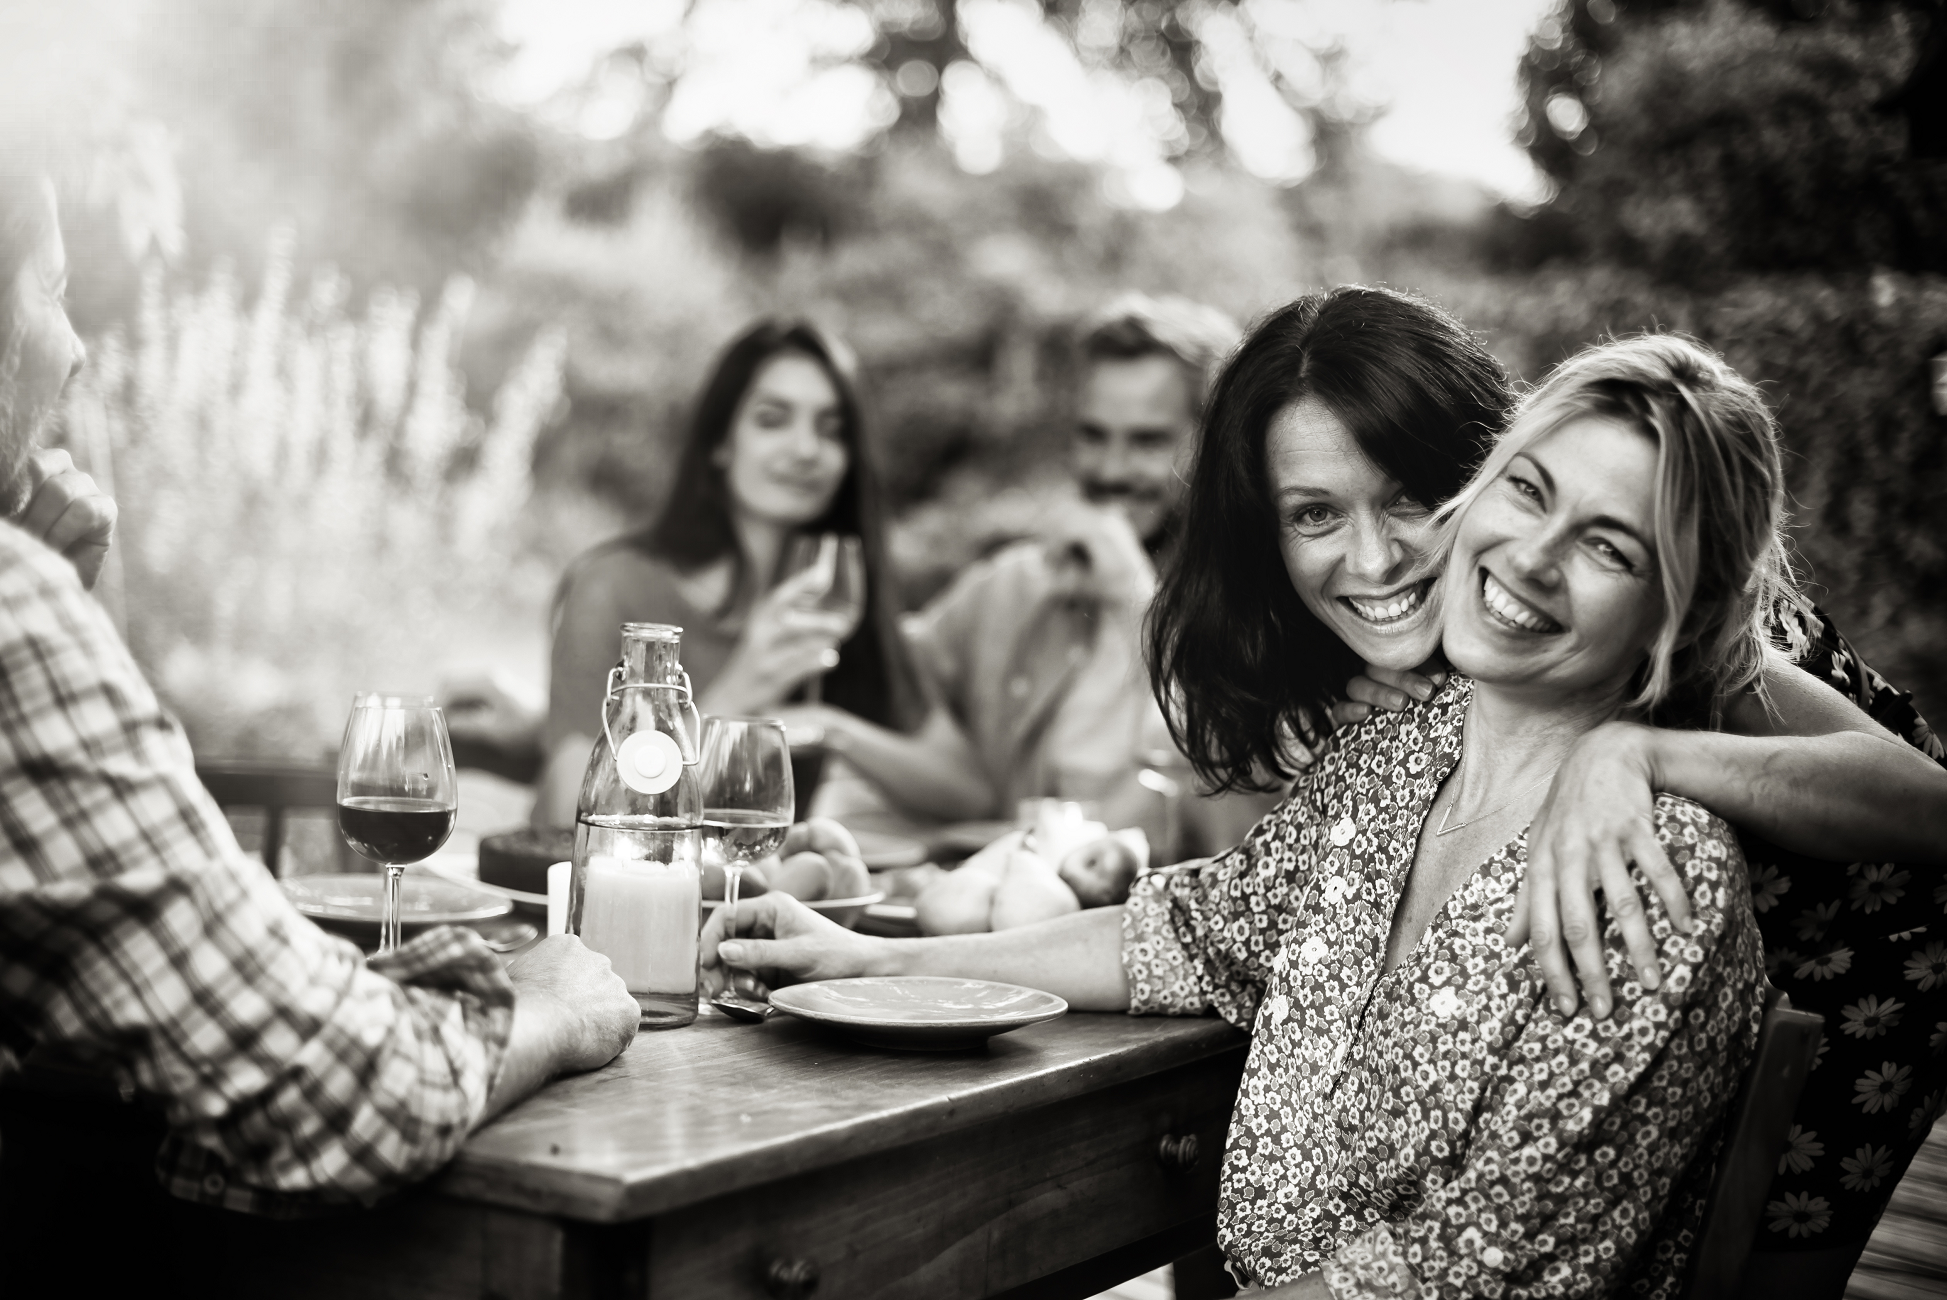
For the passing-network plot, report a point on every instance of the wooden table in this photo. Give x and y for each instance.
(776, 1161)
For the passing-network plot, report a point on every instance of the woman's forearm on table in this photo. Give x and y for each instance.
(1077, 958)
(558, 788)
(1845, 797)
(933, 772)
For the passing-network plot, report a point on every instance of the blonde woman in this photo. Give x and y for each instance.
(1616, 550)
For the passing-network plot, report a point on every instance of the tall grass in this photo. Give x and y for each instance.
(309, 503)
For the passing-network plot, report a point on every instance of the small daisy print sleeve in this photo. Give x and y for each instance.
(1595, 1131)
(1199, 937)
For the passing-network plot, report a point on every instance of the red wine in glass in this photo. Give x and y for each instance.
(392, 829)
(397, 792)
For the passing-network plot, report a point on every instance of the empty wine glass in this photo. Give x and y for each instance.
(840, 561)
(745, 768)
(397, 795)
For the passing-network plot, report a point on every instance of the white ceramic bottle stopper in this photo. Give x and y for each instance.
(649, 762)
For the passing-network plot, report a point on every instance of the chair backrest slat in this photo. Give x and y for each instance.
(1788, 1042)
(273, 787)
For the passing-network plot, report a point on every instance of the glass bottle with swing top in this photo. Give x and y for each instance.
(636, 890)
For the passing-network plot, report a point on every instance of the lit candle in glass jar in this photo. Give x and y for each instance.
(642, 916)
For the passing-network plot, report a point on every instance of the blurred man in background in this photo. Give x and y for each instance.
(1037, 650)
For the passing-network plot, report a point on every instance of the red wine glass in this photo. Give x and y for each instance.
(397, 794)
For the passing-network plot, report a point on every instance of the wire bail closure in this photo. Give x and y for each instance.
(650, 761)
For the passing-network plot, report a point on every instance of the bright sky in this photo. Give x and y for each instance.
(782, 72)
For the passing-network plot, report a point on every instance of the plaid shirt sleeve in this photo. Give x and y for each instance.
(293, 1074)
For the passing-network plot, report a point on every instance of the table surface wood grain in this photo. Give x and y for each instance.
(716, 1107)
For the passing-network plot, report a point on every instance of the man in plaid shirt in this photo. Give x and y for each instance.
(133, 932)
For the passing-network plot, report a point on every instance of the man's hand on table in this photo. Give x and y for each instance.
(571, 1013)
(67, 511)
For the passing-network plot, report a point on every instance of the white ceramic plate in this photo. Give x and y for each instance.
(822, 905)
(918, 1012)
(423, 900)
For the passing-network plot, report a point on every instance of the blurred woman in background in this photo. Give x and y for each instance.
(776, 451)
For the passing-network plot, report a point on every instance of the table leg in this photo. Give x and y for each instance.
(1200, 1275)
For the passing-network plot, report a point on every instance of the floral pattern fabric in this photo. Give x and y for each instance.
(1864, 945)
(1440, 1130)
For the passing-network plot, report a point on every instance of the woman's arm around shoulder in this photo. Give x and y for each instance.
(1800, 765)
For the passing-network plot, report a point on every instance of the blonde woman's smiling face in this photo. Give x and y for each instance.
(1358, 549)
(1553, 584)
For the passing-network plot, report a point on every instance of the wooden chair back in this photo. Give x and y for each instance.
(272, 787)
(1788, 1043)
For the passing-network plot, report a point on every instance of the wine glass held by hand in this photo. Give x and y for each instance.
(747, 796)
(397, 793)
(834, 564)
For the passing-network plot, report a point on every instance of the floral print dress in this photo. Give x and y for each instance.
(1440, 1130)
(1864, 945)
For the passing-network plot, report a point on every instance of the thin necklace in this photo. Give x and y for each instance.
(1444, 829)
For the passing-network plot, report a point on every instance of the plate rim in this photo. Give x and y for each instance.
(862, 900)
(490, 906)
(1010, 1021)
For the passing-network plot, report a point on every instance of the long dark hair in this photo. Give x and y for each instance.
(875, 677)
(1235, 658)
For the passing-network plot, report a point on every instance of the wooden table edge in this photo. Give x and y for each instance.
(607, 1199)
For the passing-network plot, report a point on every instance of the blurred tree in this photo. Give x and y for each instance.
(1708, 137)
(764, 197)
(356, 120)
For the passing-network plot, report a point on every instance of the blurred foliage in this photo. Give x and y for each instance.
(1844, 360)
(307, 502)
(1770, 175)
(356, 120)
(960, 294)
(186, 129)
(323, 487)
(1707, 138)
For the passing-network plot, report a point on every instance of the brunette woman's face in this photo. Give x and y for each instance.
(50, 355)
(1553, 582)
(786, 455)
(1356, 545)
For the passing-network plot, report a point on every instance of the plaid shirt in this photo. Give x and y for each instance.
(132, 929)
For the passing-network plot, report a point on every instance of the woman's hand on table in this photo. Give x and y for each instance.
(785, 640)
(779, 938)
(780, 941)
(1598, 818)
(1384, 688)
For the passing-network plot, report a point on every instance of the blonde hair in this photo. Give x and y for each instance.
(1720, 503)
